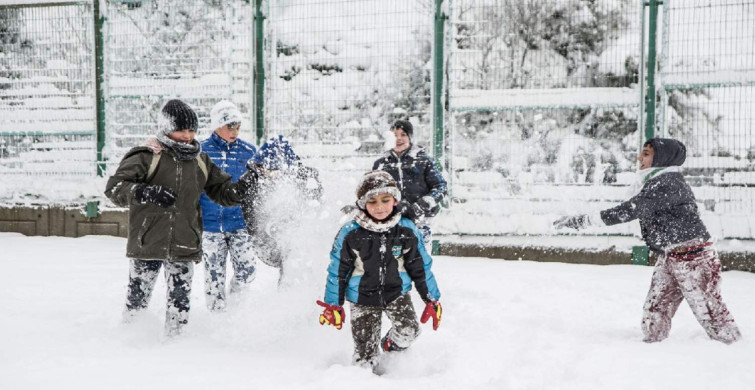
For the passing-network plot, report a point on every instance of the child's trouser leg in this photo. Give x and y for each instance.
(243, 258)
(178, 275)
(661, 303)
(141, 281)
(700, 279)
(365, 329)
(214, 252)
(405, 327)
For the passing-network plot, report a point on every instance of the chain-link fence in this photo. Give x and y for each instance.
(341, 71)
(544, 99)
(47, 117)
(707, 70)
(156, 50)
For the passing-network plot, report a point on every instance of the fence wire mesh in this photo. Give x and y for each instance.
(708, 81)
(198, 51)
(47, 118)
(341, 71)
(545, 101)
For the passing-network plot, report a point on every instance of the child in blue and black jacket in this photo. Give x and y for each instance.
(688, 267)
(373, 262)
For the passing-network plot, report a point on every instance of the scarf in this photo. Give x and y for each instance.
(643, 175)
(183, 151)
(370, 224)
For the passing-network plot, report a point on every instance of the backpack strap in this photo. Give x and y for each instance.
(202, 165)
(156, 161)
(153, 166)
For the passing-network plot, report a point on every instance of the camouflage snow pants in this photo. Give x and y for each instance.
(178, 276)
(365, 328)
(695, 278)
(216, 248)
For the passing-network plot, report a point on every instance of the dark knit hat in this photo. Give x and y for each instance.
(375, 183)
(404, 125)
(177, 115)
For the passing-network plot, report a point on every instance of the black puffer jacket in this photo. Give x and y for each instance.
(374, 268)
(665, 206)
(417, 176)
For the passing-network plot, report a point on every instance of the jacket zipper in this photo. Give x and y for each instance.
(383, 271)
(400, 171)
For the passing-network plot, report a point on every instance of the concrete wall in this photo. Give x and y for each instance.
(740, 261)
(62, 221)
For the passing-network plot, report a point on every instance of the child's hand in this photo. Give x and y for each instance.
(332, 315)
(434, 310)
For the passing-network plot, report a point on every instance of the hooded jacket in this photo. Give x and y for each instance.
(231, 158)
(175, 232)
(665, 205)
(416, 175)
(374, 268)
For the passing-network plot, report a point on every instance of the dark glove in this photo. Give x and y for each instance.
(349, 208)
(423, 206)
(434, 310)
(248, 179)
(332, 315)
(158, 195)
(573, 222)
(405, 208)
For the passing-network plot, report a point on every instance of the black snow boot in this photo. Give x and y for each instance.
(389, 345)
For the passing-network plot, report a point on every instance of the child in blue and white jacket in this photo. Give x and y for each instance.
(225, 230)
(374, 261)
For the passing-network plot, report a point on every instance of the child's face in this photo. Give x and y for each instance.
(381, 206)
(185, 136)
(229, 132)
(646, 157)
(402, 140)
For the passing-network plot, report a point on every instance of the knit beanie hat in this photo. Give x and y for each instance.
(223, 113)
(404, 125)
(375, 183)
(176, 115)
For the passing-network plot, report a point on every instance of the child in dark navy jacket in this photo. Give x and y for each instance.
(374, 260)
(225, 234)
(421, 184)
(688, 266)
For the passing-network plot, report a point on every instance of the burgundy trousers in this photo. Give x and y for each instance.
(695, 278)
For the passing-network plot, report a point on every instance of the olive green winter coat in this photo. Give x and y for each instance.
(173, 233)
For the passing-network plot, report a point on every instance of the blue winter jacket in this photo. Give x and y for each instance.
(231, 158)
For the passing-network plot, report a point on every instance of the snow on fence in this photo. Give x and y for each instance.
(542, 99)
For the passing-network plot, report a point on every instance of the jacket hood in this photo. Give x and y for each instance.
(667, 152)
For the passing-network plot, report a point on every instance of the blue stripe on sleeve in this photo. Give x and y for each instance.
(432, 286)
(331, 284)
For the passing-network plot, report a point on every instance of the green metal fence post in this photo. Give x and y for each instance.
(259, 72)
(438, 130)
(98, 83)
(650, 96)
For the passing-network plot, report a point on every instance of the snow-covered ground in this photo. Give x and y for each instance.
(507, 325)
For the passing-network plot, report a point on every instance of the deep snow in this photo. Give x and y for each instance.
(507, 325)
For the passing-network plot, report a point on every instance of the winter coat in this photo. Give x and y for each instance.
(306, 181)
(173, 233)
(416, 175)
(667, 211)
(373, 269)
(231, 158)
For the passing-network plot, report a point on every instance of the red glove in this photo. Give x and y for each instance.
(434, 310)
(332, 315)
